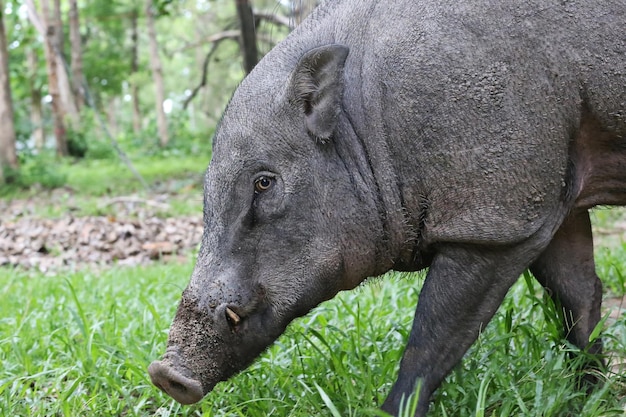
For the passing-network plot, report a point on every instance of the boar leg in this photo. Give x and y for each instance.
(463, 289)
(567, 269)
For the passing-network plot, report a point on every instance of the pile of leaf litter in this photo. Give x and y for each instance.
(132, 233)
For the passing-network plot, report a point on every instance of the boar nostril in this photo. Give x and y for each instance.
(179, 387)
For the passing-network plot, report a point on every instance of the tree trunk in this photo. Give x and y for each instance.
(248, 35)
(36, 115)
(60, 132)
(157, 74)
(303, 10)
(77, 56)
(8, 154)
(134, 68)
(57, 21)
(65, 87)
(111, 113)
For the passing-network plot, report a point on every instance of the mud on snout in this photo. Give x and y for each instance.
(209, 345)
(197, 355)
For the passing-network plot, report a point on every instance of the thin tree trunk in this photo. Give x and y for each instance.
(60, 131)
(36, 119)
(36, 115)
(112, 116)
(8, 154)
(77, 56)
(57, 21)
(248, 35)
(157, 75)
(65, 88)
(134, 68)
(303, 10)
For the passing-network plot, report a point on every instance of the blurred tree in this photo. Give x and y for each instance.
(46, 27)
(157, 74)
(55, 34)
(78, 78)
(252, 28)
(8, 155)
(134, 69)
(248, 35)
(103, 39)
(36, 113)
(300, 9)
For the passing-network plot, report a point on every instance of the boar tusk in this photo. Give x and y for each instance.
(234, 318)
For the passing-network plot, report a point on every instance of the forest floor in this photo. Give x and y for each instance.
(103, 216)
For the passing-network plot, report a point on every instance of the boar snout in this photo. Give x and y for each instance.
(197, 355)
(210, 340)
(176, 385)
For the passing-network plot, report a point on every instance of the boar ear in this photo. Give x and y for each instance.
(317, 87)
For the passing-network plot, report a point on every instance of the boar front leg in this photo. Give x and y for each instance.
(463, 289)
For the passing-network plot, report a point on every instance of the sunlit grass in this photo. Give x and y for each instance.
(100, 177)
(161, 172)
(79, 344)
(92, 187)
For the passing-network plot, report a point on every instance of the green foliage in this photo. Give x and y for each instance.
(66, 341)
(105, 32)
(76, 143)
(10, 178)
(609, 263)
(87, 139)
(41, 171)
(38, 171)
(100, 149)
(163, 7)
(103, 173)
(184, 140)
(23, 131)
(105, 45)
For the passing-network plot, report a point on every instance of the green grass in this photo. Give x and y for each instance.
(79, 343)
(99, 177)
(186, 200)
(88, 186)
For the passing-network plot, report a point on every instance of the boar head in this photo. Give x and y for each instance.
(292, 217)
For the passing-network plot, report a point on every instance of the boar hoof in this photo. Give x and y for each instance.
(182, 389)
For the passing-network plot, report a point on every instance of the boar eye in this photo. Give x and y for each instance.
(263, 183)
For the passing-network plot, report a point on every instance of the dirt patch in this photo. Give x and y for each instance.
(49, 244)
(135, 235)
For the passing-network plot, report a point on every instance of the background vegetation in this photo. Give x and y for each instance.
(123, 86)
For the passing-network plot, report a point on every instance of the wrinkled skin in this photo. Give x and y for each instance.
(471, 138)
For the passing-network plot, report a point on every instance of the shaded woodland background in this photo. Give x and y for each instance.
(100, 79)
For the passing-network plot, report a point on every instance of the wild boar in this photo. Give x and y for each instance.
(468, 137)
